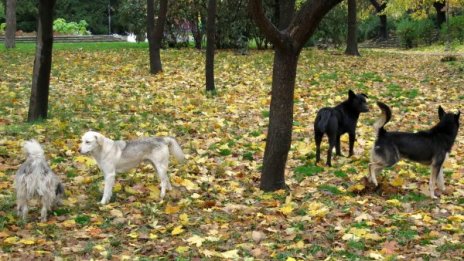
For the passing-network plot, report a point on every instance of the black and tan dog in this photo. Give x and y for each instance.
(430, 147)
(338, 120)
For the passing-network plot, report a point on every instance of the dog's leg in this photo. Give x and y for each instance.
(318, 138)
(332, 142)
(441, 180)
(22, 208)
(108, 190)
(337, 146)
(161, 168)
(46, 206)
(374, 169)
(352, 137)
(433, 178)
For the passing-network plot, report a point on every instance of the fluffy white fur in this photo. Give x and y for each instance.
(119, 156)
(34, 178)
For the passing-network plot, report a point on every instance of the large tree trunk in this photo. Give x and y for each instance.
(10, 34)
(155, 34)
(352, 38)
(279, 135)
(210, 43)
(288, 44)
(441, 14)
(38, 105)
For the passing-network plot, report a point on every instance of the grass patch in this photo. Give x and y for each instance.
(331, 189)
(82, 220)
(411, 197)
(304, 171)
(340, 174)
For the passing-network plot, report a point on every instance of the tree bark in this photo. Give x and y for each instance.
(10, 34)
(352, 38)
(288, 43)
(441, 14)
(210, 44)
(279, 135)
(155, 34)
(383, 30)
(286, 13)
(38, 105)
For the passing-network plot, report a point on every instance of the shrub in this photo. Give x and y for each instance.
(455, 29)
(61, 26)
(415, 32)
(2, 28)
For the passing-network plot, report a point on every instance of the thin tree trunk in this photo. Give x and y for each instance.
(196, 31)
(352, 39)
(441, 14)
(383, 30)
(210, 43)
(38, 105)
(155, 34)
(279, 135)
(10, 34)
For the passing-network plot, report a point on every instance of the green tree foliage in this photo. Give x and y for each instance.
(414, 32)
(455, 29)
(133, 13)
(332, 28)
(61, 26)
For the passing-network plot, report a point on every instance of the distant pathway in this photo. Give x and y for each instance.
(412, 52)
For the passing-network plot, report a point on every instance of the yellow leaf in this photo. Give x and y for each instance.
(456, 218)
(450, 227)
(170, 209)
(397, 181)
(290, 259)
(28, 241)
(117, 187)
(177, 230)
(197, 240)
(133, 234)
(182, 249)
(184, 219)
(231, 254)
(394, 202)
(69, 223)
(317, 209)
(99, 247)
(153, 236)
(286, 209)
(189, 185)
(11, 240)
(356, 187)
(131, 190)
(86, 160)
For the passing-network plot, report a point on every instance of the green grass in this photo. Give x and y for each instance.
(84, 46)
(306, 171)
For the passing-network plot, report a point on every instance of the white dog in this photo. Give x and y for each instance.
(119, 156)
(35, 178)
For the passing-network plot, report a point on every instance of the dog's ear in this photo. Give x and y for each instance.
(351, 94)
(456, 116)
(99, 139)
(365, 95)
(441, 112)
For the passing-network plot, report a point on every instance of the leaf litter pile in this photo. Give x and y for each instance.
(216, 210)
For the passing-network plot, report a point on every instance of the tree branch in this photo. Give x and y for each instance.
(307, 19)
(271, 32)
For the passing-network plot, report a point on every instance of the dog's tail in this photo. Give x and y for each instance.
(322, 119)
(175, 149)
(33, 148)
(384, 118)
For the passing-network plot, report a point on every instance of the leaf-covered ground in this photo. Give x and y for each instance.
(216, 210)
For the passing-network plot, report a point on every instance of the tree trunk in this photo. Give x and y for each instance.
(196, 31)
(38, 105)
(383, 30)
(352, 38)
(288, 44)
(279, 135)
(441, 14)
(286, 13)
(210, 43)
(10, 34)
(155, 34)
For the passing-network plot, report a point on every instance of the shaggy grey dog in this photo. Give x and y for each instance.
(34, 178)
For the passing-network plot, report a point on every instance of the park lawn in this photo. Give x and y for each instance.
(216, 210)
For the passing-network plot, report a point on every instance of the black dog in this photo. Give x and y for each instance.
(429, 147)
(337, 121)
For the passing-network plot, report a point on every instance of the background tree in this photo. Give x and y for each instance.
(288, 43)
(383, 28)
(352, 37)
(155, 34)
(10, 34)
(38, 105)
(210, 44)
